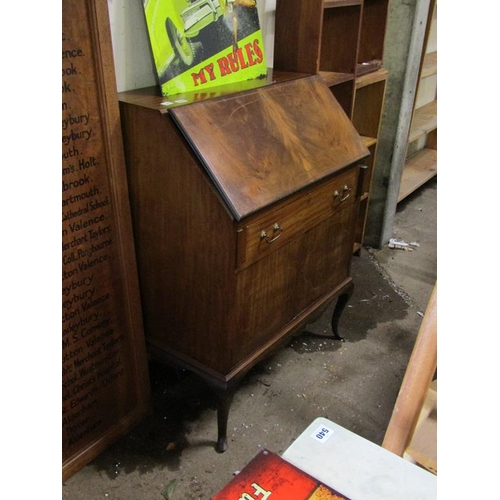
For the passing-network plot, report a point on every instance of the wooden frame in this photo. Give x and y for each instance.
(104, 377)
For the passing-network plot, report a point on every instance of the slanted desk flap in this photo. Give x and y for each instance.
(261, 146)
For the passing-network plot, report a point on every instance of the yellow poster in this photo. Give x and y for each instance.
(199, 44)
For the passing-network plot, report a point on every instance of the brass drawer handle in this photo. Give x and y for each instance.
(265, 236)
(346, 192)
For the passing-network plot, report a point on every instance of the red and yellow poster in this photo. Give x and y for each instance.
(199, 44)
(268, 476)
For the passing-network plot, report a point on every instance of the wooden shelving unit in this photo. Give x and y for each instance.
(343, 41)
(421, 153)
(424, 121)
(372, 35)
(419, 168)
(367, 113)
(429, 66)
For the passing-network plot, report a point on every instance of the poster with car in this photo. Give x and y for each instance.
(199, 44)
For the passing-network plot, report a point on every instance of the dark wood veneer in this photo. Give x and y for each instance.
(205, 180)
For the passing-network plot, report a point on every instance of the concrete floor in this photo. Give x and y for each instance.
(170, 455)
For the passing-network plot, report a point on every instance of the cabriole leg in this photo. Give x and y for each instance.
(339, 308)
(224, 400)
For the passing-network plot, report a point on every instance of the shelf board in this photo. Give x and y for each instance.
(418, 169)
(371, 78)
(357, 247)
(364, 196)
(151, 97)
(424, 121)
(331, 4)
(368, 141)
(368, 66)
(429, 67)
(279, 76)
(331, 78)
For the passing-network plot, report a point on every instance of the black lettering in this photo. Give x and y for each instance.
(90, 263)
(93, 191)
(75, 184)
(88, 252)
(82, 224)
(88, 357)
(70, 53)
(70, 153)
(70, 354)
(95, 302)
(90, 162)
(69, 71)
(74, 439)
(66, 88)
(99, 338)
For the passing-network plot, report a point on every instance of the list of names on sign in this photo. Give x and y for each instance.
(104, 381)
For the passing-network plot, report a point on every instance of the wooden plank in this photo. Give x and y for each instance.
(339, 39)
(418, 169)
(429, 66)
(372, 35)
(298, 31)
(371, 78)
(329, 4)
(367, 67)
(426, 92)
(416, 382)
(332, 78)
(430, 403)
(424, 121)
(423, 446)
(369, 141)
(105, 387)
(368, 105)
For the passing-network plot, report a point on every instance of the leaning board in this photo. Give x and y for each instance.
(105, 389)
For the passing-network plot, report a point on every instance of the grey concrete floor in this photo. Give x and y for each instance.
(170, 455)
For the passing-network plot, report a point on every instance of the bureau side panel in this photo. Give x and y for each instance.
(279, 288)
(185, 241)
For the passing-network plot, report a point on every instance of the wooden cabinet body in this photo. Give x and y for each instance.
(244, 210)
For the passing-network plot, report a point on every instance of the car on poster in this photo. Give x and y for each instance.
(204, 43)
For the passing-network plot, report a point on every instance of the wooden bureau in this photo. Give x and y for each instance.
(244, 209)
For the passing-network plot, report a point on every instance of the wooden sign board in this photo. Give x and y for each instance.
(105, 386)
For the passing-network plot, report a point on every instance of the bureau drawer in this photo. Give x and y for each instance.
(279, 225)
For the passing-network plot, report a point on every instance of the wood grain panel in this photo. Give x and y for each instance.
(372, 38)
(186, 241)
(105, 389)
(339, 40)
(275, 290)
(296, 217)
(327, 255)
(297, 21)
(368, 105)
(262, 146)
